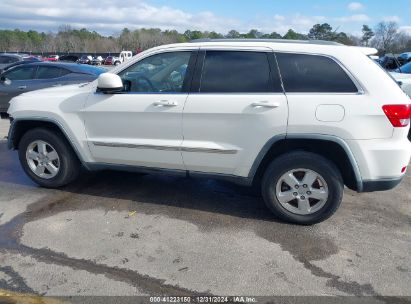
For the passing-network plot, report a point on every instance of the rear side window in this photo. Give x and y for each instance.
(46, 72)
(237, 72)
(313, 74)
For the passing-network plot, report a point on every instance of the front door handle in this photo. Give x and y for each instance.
(165, 103)
(22, 87)
(265, 104)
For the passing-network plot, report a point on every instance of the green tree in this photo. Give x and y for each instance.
(322, 32)
(294, 35)
(367, 34)
(233, 34)
(253, 34)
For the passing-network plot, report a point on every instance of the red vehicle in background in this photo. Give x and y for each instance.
(51, 58)
(109, 60)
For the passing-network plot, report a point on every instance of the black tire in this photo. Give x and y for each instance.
(69, 163)
(302, 160)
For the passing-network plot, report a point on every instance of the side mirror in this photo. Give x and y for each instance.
(5, 80)
(109, 83)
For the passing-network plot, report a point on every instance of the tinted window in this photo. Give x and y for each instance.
(233, 71)
(20, 73)
(310, 73)
(45, 72)
(158, 73)
(8, 59)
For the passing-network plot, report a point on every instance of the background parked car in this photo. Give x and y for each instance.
(97, 60)
(25, 60)
(51, 58)
(69, 58)
(39, 75)
(124, 56)
(7, 59)
(403, 76)
(109, 60)
(404, 69)
(85, 59)
(404, 57)
(389, 62)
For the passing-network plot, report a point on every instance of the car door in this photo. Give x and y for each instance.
(236, 106)
(14, 82)
(141, 126)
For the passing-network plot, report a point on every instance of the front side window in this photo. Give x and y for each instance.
(20, 73)
(313, 74)
(237, 72)
(160, 73)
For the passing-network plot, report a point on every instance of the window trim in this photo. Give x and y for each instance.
(357, 83)
(199, 68)
(187, 83)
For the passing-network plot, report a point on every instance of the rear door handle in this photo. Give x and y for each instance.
(265, 104)
(165, 103)
(22, 87)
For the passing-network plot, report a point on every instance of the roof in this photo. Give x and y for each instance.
(317, 42)
(73, 67)
(14, 55)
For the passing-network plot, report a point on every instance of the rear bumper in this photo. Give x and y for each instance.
(381, 159)
(381, 184)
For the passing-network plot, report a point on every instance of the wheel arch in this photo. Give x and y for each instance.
(20, 126)
(331, 147)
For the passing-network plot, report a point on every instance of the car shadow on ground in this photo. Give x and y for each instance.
(114, 190)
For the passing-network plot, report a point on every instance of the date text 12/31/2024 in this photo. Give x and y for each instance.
(203, 299)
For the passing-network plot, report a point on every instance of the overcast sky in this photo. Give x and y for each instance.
(109, 17)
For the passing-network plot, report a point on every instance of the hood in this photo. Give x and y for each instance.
(62, 90)
(45, 102)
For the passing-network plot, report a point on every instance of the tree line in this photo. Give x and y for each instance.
(386, 37)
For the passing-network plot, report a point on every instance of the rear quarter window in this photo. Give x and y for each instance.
(313, 74)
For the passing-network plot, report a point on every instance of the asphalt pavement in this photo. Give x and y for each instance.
(114, 233)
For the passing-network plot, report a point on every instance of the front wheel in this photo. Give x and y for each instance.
(47, 158)
(302, 187)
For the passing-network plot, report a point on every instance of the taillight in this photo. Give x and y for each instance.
(399, 115)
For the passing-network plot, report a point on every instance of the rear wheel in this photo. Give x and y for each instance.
(47, 158)
(302, 187)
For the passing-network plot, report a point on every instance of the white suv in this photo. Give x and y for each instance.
(298, 119)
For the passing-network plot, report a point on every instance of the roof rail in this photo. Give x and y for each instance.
(319, 42)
